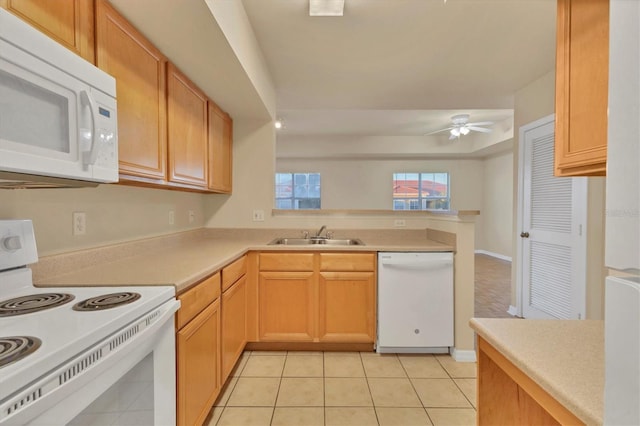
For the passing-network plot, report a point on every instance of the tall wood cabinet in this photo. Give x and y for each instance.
(198, 351)
(69, 22)
(140, 71)
(317, 297)
(582, 78)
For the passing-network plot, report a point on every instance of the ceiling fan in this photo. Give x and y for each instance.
(460, 126)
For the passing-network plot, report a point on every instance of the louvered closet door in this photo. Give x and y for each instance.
(554, 215)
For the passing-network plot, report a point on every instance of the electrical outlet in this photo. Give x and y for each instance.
(258, 215)
(192, 216)
(79, 223)
(172, 217)
(399, 223)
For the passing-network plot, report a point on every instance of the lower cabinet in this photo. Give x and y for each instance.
(287, 306)
(346, 306)
(198, 351)
(234, 316)
(317, 297)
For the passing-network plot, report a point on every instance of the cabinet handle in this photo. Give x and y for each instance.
(524, 234)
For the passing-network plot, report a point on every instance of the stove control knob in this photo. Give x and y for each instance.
(12, 243)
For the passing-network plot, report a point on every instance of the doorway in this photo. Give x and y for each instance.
(552, 215)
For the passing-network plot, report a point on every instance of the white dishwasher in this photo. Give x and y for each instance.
(415, 302)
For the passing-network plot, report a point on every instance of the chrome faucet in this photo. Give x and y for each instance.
(324, 227)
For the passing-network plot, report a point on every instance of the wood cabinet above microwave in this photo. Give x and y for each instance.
(69, 22)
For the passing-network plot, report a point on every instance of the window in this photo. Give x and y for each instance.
(298, 191)
(421, 191)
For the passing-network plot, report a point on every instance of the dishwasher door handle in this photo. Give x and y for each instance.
(417, 264)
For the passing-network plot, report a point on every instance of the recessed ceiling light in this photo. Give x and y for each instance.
(326, 7)
(278, 124)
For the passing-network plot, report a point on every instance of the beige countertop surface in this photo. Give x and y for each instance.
(184, 259)
(564, 357)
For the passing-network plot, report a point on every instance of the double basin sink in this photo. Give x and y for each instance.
(316, 241)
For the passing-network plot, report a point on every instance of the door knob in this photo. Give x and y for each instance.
(524, 234)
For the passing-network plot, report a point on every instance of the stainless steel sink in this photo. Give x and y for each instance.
(316, 241)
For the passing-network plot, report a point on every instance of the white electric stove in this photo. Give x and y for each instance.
(62, 348)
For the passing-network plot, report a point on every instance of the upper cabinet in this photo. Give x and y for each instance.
(187, 130)
(582, 64)
(170, 135)
(69, 22)
(220, 149)
(139, 69)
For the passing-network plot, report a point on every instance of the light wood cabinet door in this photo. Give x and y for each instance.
(582, 78)
(140, 72)
(69, 22)
(220, 150)
(198, 378)
(287, 306)
(347, 307)
(186, 130)
(234, 325)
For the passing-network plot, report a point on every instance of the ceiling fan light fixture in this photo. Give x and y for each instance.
(326, 7)
(464, 130)
(455, 132)
(277, 124)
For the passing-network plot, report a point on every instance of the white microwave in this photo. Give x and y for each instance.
(58, 118)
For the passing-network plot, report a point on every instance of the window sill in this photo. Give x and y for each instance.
(350, 212)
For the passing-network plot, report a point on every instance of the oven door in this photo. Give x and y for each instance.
(129, 378)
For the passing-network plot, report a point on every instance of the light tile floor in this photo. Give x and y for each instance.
(346, 388)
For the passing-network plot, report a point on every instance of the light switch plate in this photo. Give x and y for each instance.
(258, 215)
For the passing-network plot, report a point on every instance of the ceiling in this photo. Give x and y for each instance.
(386, 68)
(401, 67)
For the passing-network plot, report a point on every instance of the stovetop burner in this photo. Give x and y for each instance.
(106, 301)
(33, 303)
(13, 348)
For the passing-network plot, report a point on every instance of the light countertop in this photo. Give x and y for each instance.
(564, 357)
(184, 259)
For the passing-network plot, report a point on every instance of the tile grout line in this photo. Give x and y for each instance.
(275, 402)
(366, 378)
(324, 392)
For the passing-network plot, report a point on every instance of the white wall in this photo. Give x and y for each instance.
(253, 178)
(497, 211)
(115, 213)
(368, 184)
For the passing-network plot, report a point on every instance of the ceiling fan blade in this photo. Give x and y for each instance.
(481, 123)
(479, 129)
(438, 131)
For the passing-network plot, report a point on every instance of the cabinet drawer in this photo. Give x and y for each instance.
(286, 261)
(196, 299)
(232, 272)
(347, 261)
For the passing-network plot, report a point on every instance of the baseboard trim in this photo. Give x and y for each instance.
(496, 255)
(513, 311)
(463, 355)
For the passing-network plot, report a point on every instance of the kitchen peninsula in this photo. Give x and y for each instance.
(540, 371)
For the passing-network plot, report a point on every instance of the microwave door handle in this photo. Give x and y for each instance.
(89, 157)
